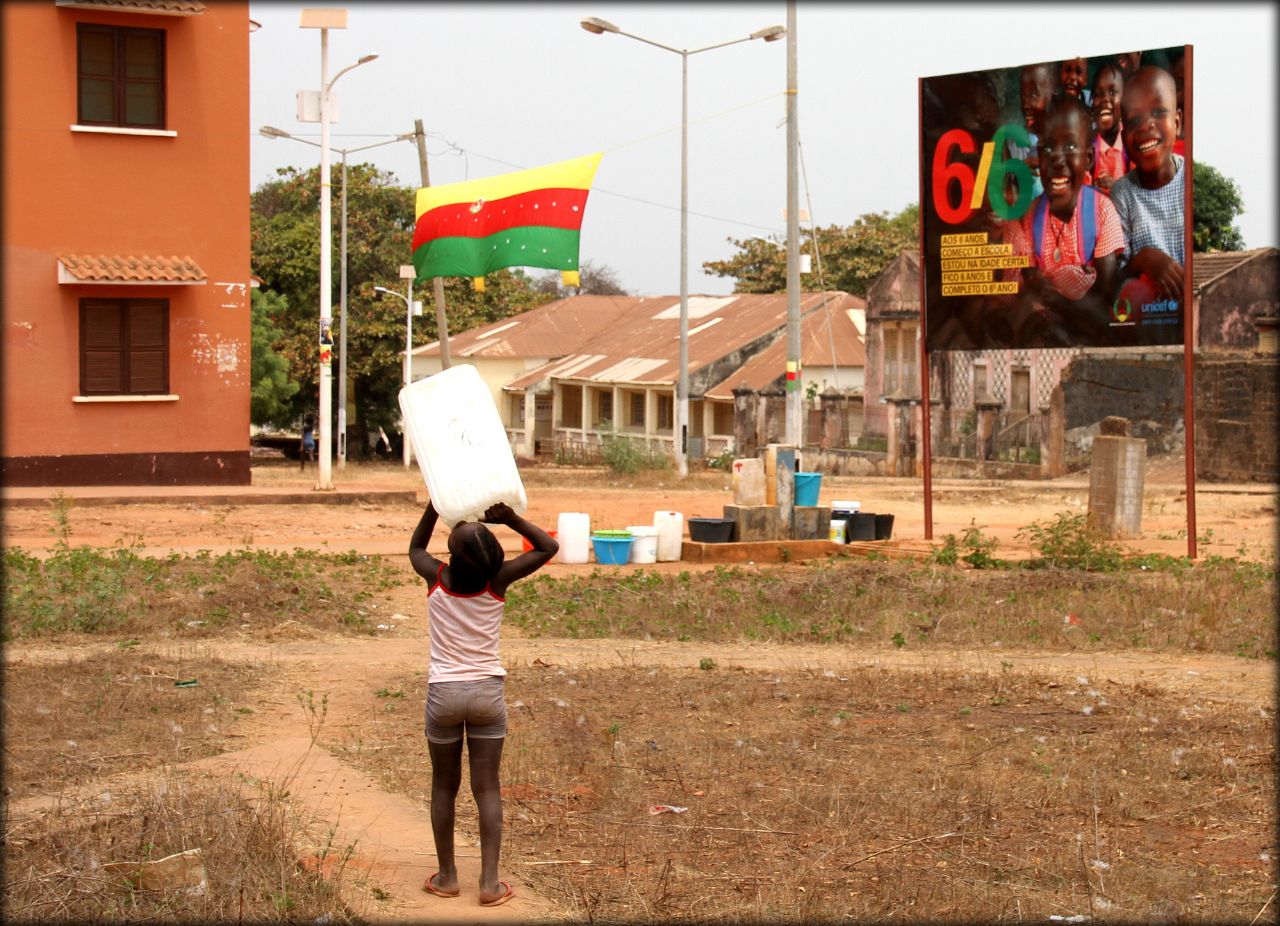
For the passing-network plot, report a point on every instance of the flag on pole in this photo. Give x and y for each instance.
(530, 218)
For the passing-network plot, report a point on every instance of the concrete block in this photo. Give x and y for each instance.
(810, 522)
(1116, 475)
(755, 523)
(748, 482)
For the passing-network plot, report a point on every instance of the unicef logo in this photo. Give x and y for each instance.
(1121, 310)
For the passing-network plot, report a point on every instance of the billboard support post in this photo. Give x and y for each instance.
(1189, 320)
(926, 424)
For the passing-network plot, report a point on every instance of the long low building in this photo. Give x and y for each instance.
(585, 367)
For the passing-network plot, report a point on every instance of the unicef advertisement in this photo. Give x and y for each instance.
(1054, 203)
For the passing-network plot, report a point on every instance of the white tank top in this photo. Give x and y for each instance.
(464, 635)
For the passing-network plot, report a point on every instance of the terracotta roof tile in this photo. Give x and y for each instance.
(1207, 267)
(169, 7)
(99, 268)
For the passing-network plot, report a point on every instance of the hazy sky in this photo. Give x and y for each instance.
(502, 87)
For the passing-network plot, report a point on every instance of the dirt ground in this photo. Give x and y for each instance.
(1229, 519)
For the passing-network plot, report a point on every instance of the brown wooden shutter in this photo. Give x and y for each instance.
(101, 342)
(148, 347)
(124, 347)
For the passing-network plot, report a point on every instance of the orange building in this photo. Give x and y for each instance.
(126, 242)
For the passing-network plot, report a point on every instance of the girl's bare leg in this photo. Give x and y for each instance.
(446, 778)
(486, 758)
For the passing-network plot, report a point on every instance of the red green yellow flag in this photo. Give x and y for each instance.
(530, 218)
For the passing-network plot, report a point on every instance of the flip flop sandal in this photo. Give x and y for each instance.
(432, 889)
(499, 901)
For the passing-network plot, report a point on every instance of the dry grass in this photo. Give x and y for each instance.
(873, 795)
(87, 718)
(79, 590)
(538, 475)
(54, 858)
(78, 733)
(1222, 607)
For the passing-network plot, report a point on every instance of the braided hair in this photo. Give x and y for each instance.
(476, 553)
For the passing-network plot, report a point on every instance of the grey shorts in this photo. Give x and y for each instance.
(478, 709)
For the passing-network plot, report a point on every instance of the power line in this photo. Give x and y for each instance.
(454, 148)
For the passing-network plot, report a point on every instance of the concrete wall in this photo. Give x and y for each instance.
(1145, 388)
(1227, 310)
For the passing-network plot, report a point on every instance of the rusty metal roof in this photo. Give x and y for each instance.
(1208, 268)
(643, 346)
(550, 330)
(116, 268)
(162, 7)
(840, 345)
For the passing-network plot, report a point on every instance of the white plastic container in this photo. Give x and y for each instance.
(838, 533)
(644, 544)
(846, 506)
(670, 525)
(573, 531)
(461, 445)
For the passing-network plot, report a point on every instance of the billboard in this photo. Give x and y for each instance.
(1055, 203)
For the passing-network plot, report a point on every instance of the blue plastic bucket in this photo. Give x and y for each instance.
(612, 550)
(807, 486)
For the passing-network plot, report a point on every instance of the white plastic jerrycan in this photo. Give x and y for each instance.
(670, 525)
(573, 532)
(461, 445)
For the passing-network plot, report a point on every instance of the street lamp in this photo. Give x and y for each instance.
(407, 273)
(597, 26)
(270, 131)
(324, 20)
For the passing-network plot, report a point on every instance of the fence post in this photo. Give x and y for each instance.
(773, 415)
(987, 408)
(745, 422)
(1052, 436)
(835, 419)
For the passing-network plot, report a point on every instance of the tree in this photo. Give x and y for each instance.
(285, 238)
(1215, 203)
(851, 256)
(596, 280)
(271, 389)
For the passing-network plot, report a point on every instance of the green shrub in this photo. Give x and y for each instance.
(630, 455)
(978, 545)
(1069, 541)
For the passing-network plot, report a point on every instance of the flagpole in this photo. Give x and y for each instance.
(437, 284)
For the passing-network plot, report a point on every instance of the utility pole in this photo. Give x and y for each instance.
(794, 410)
(342, 329)
(437, 284)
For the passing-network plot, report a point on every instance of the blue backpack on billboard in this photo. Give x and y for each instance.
(1086, 228)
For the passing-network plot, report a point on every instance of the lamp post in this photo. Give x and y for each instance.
(324, 20)
(270, 131)
(407, 273)
(598, 26)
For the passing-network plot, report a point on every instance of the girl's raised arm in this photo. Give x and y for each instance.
(424, 564)
(544, 547)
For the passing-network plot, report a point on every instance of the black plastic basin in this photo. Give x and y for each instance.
(711, 530)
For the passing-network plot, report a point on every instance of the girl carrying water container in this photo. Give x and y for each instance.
(465, 679)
